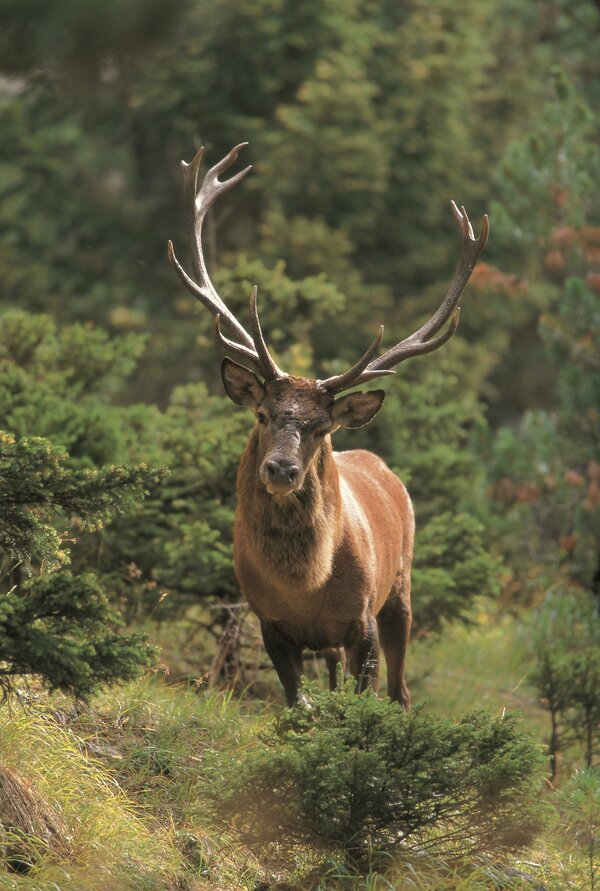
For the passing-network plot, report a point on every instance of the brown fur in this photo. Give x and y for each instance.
(328, 566)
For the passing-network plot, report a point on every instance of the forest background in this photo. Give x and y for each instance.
(364, 118)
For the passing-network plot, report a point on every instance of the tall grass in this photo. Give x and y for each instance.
(111, 842)
(128, 778)
(129, 775)
(480, 665)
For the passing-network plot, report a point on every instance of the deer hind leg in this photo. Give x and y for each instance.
(286, 658)
(333, 656)
(363, 655)
(394, 621)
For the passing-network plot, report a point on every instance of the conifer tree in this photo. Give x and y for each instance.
(357, 774)
(57, 624)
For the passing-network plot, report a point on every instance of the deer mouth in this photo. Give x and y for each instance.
(280, 491)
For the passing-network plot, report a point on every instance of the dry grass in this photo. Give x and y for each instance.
(110, 842)
(30, 826)
(24, 811)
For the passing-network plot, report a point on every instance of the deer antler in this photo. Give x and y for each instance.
(198, 201)
(422, 340)
(252, 347)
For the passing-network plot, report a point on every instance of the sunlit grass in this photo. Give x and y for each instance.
(130, 777)
(106, 833)
(482, 665)
(171, 743)
(433, 874)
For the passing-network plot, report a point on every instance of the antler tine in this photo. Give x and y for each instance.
(418, 348)
(423, 340)
(420, 341)
(211, 186)
(239, 349)
(212, 301)
(340, 382)
(198, 201)
(270, 369)
(252, 347)
(470, 249)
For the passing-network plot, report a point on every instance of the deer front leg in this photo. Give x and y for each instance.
(394, 622)
(334, 656)
(363, 655)
(286, 658)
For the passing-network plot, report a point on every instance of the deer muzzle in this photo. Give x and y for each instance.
(280, 475)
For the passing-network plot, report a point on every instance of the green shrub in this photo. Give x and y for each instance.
(358, 773)
(62, 628)
(55, 624)
(564, 641)
(580, 810)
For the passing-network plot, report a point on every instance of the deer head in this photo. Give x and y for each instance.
(295, 416)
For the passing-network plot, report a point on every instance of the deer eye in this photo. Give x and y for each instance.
(261, 416)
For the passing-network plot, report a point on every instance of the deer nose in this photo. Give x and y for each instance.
(281, 471)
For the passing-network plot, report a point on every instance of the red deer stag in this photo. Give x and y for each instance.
(323, 540)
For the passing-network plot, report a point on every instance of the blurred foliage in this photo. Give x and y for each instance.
(59, 481)
(545, 499)
(544, 467)
(364, 119)
(177, 548)
(60, 386)
(580, 807)
(79, 36)
(547, 178)
(565, 646)
(37, 482)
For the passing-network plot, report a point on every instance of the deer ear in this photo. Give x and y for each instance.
(357, 409)
(241, 385)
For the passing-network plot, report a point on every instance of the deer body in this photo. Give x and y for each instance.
(305, 563)
(326, 566)
(323, 541)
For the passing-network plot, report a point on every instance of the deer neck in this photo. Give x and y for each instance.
(292, 540)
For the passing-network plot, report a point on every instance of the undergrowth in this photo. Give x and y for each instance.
(106, 834)
(358, 774)
(131, 779)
